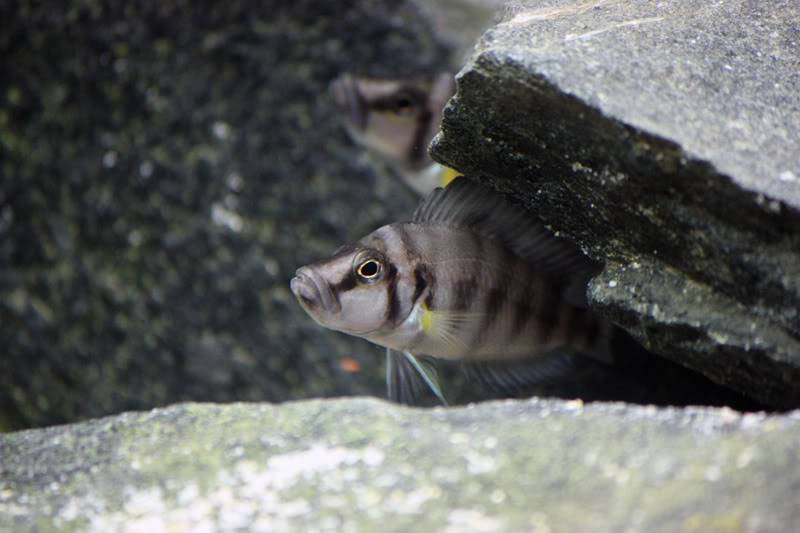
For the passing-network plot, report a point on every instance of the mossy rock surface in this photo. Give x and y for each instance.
(366, 465)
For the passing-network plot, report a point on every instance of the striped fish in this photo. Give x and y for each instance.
(396, 120)
(471, 278)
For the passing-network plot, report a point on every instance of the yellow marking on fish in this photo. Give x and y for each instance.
(448, 175)
(445, 326)
(427, 319)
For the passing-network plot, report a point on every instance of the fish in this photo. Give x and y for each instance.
(473, 278)
(396, 119)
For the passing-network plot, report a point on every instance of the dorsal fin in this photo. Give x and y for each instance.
(465, 203)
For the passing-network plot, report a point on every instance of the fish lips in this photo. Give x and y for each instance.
(344, 90)
(313, 292)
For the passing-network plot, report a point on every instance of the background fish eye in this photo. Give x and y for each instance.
(404, 104)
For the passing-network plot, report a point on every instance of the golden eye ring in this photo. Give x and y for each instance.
(369, 270)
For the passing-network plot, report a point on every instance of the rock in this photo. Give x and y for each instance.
(366, 465)
(662, 139)
(165, 170)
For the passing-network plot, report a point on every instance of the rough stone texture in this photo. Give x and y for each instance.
(164, 169)
(366, 465)
(662, 138)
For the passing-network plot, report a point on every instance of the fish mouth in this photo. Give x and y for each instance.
(312, 291)
(349, 100)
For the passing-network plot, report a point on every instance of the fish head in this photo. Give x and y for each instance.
(357, 290)
(394, 118)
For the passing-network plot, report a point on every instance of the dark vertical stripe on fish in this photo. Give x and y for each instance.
(418, 149)
(523, 312)
(420, 282)
(495, 299)
(392, 301)
(405, 240)
(348, 282)
(464, 299)
(464, 294)
(477, 243)
(536, 303)
(431, 293)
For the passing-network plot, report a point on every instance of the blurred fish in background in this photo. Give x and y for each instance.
(396, 119)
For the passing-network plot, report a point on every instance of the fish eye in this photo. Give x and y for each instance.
(404, 104)
(369, 270)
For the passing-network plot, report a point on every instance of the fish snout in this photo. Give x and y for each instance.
(312, 291)
(345, 93)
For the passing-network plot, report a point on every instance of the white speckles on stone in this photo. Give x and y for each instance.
(497, 496)
(221, 130)
(411, 501)
(728, 415)
(372, 457)
(663, 466)
(478, 463)
(612, 283)
(222, 216)
(187, 494)
(237, 451)
(146, 169)
(713, 473)
(459, 520)
(287, 469)
(459, 438)
(442, 474)
(787, 175)
(110, 159)
(574, 405)
(590, 458)
(293, 508)
(234, 181)
(145, 502)
(490, 442)
(746, 457)
(718, 337)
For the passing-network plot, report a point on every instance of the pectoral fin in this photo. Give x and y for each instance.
(407, 378)
(448, 327)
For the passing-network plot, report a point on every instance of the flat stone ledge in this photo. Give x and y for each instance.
(362, 464)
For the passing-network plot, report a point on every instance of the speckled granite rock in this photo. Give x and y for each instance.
(662, 138)
(165, 168)
(366, 465)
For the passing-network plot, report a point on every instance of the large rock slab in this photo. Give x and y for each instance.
(366, 465)
(662, 138)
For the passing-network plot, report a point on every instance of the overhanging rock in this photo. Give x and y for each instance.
(663, 139)
(366, 465)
